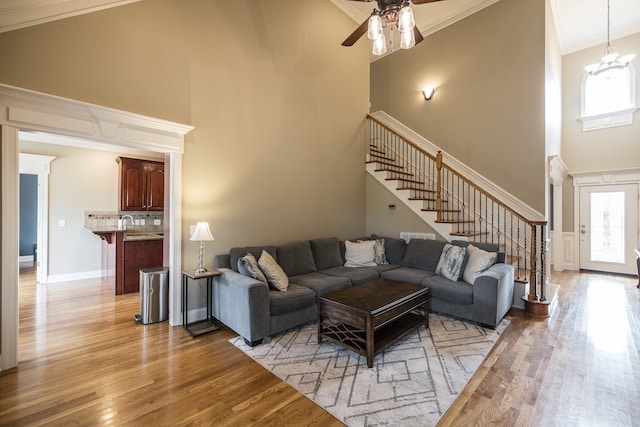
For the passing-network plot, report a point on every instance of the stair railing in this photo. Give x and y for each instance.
(473, 212)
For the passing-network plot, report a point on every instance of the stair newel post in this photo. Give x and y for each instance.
(543, 277)
(439, 185)
(533, 277)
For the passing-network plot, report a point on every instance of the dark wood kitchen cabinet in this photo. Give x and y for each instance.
(141, 185)
(138, 255)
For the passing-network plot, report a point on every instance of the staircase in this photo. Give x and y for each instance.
(456, 203)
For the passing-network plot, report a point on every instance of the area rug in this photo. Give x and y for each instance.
(411, 383)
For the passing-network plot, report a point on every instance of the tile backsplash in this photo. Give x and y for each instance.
(143, 221)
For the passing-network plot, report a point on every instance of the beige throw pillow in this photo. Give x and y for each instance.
(478, 261)
(274, 273)
(360, 254)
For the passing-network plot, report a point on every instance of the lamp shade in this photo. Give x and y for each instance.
(201, 232)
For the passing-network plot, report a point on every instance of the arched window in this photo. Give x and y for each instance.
(608, 98)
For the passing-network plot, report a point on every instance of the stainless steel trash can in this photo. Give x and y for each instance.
(154, 295)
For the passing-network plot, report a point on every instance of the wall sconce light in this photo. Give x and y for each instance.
(202, 234)
(428, 92)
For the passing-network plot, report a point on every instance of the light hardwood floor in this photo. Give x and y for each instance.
(84, 361)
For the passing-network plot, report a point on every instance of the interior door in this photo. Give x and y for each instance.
(609, 228)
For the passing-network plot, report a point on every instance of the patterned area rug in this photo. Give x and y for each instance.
(411, 383)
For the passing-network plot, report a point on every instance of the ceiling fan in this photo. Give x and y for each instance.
(390, 14)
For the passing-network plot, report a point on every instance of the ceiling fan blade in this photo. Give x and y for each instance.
(359, 32)
(417, 34)
(423, 1)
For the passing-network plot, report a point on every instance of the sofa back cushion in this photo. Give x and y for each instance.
(489, 247)
(423, 254)
(296, 258)
(236, 253)
(326, 253)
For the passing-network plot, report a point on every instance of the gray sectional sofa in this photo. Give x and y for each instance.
(316, 267)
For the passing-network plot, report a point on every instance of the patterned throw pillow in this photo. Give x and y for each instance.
(479, 260)
(450, 263)
(248, 265)
(379, 256)
(360, 254)
(274, 273)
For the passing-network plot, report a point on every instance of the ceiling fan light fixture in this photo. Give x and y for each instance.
(406, 21)
(407, 40)
(380, 46)
(374, 30)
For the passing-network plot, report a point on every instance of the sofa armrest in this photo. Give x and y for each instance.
(493, 294)
(242, 303)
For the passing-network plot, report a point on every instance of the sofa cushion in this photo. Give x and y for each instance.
(360, 254)
(489, 247)
(326, 253)
(450, 263)
(296, 258)
(407, 274)
(458, 292)
(393, 248)
(382, 268)
(274, 273)
(321, 284)
(248, 265)
(423, 254)
(357, 275)
(236, 253)
(477, 262)
(296, 298)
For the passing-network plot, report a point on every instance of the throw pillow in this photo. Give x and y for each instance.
(450, 263)
(360, 254)
(479, 260)
(248, 265)
(379, 255)
(274, 273)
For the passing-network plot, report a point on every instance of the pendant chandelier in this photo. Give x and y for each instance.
(610, 60)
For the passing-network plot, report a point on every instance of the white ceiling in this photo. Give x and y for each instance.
(580, 23)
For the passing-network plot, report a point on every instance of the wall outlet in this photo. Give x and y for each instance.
(142, 221)
(62, 223)
(157, 222)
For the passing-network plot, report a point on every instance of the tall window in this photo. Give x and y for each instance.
(608, 98)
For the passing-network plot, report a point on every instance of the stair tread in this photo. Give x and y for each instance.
(404, 180)
(468, 233)
(417, 189)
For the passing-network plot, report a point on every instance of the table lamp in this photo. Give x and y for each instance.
(201, 233)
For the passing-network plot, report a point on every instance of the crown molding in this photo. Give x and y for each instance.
(16, 14)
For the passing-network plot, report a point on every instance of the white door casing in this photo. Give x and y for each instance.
(622, 186)
(40, 165)
(22, 109)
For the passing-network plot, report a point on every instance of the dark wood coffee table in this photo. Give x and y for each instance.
(370, 317)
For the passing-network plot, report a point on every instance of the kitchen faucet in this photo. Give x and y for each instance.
(124, 223)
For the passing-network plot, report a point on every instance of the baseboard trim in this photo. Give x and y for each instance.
(84, 275)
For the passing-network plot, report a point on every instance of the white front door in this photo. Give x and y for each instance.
(608, 228)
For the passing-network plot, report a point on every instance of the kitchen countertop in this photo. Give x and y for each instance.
(129, 235)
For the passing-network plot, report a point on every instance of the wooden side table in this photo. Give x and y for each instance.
(201, 326)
